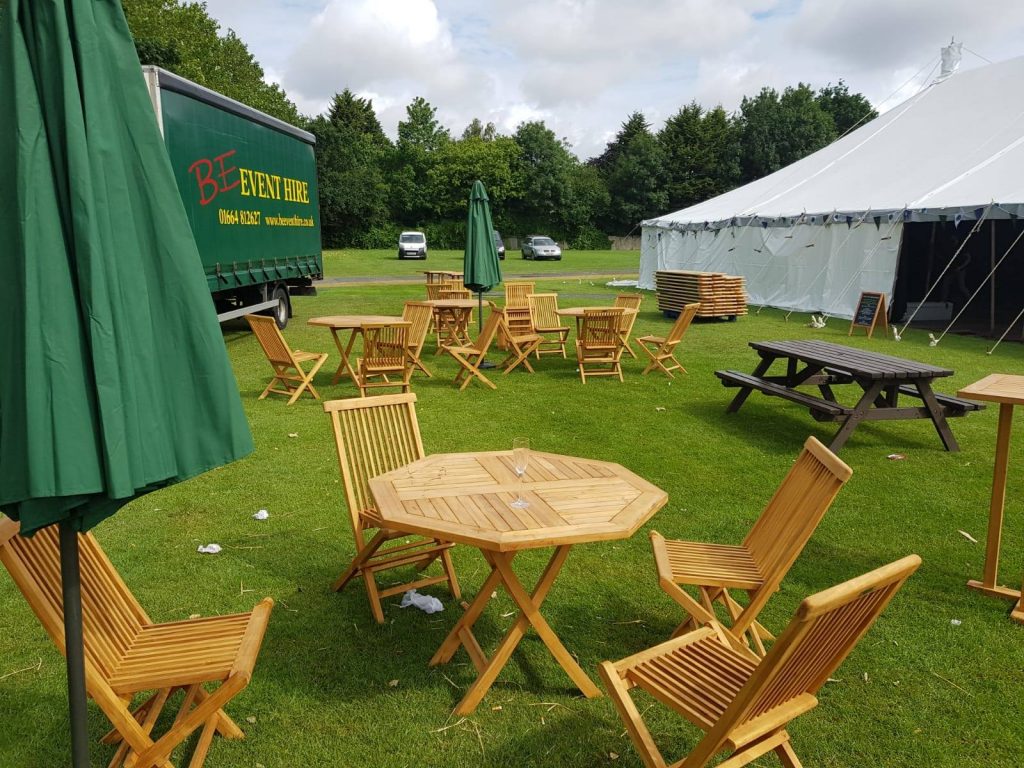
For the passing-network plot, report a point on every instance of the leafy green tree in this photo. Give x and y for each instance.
(848, 110)
(542, 173)
(182, 37)
(459, 163)
(702, 154)
(477, 130)
(587, 201)
(350, 157)
(420, 136)
(778, 130)
(633, 169)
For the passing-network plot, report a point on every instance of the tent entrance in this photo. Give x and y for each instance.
(927, 249)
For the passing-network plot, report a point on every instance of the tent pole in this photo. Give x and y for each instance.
(71, 586)
(992, 285)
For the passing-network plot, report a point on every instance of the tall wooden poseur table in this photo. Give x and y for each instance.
(1008, 391)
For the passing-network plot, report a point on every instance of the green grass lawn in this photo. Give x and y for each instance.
(332, 688)
(384, 263)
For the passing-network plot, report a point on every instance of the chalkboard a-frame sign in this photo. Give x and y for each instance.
(870, 308)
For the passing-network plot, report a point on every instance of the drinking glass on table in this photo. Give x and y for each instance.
(520, 461)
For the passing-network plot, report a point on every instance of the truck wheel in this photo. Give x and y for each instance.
(281, 312)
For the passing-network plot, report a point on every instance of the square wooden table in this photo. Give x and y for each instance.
(1008, 391)
(354, 324)
(466, 498)
(578, 312)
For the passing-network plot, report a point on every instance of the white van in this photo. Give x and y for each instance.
(412, 245)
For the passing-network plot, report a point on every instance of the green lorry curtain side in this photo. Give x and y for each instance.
(248, 182)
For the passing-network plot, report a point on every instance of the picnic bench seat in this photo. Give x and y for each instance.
(823, 410)
(957, 406)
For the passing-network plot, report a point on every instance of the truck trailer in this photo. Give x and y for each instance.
(248, 182)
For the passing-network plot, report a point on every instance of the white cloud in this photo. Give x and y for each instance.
(583, 66)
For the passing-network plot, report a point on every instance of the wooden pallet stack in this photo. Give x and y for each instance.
(720, 295)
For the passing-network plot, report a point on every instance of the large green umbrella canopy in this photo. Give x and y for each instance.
(114, 379)
(481, 268)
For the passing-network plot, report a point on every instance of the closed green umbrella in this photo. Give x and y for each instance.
(114, 379)
(481, 268)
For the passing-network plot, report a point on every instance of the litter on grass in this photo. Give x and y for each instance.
(209, 549)
(896, 456)
(261, 515)
(968, 536)
(621, 283)
(426, 603)
(955, 622)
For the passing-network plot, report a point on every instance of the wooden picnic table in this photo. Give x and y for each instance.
(467, 497)
(1008, 391)
(453, 317)
(881, 378)
(355, 325)
(440, 275)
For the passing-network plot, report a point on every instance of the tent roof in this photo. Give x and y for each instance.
(953, 148)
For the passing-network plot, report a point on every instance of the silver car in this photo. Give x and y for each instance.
(541, 247)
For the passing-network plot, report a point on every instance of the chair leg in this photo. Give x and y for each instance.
(449, 569)
(357, 562)
(631, 717)
(203, 745)
(787, 756)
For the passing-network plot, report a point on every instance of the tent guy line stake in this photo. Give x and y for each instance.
(1008, 328)
(975, 228)
(980, 286)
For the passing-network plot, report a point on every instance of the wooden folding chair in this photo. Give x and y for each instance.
(744, 703)
(385, 353)
(126, 654)
(547, 323)
(521, 340)
(599, 343)
(628, 301)
(419, 313)
(517, 293)
(764, 558)
(287, 363)
(375, 435)
(662, 348)
(470, 357)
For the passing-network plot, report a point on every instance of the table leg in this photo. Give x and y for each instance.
(938, 416)
(988, 583)
(744, 393)
(871, 392)
(344, 367)
(529, 615)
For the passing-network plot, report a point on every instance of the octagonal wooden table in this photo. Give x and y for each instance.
(467, 497)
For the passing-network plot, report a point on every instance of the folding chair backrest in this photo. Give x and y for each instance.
(601, 328)
(678, 329)
(628, 301)
(799, 503)
(270, 338)
(518, 320)
(384, 346)
(516, 293)
(373, 435)
(434, 291)
(825, 629)
(454, 292)
(111, 616)
(418, 313)
(483, 341)
(544, 307)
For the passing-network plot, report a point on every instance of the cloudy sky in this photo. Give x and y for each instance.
(583, 66)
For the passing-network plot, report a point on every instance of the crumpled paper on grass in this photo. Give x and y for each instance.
(425, 603)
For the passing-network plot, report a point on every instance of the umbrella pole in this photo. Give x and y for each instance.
(485, 363)
(71, 586)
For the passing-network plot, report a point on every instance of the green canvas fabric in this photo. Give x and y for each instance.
(481, 268)
(114, 378)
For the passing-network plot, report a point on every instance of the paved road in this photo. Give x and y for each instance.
(415, 279)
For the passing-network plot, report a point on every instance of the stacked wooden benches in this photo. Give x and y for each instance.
(720, 295)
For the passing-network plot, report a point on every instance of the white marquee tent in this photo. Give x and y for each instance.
(811, 236)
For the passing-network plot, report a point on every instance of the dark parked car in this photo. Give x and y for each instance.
(541, 247)
(499, 245)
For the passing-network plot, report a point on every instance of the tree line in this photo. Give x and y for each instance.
(371, 186)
